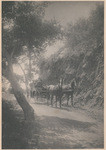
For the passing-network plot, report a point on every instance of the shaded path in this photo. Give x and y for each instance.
(64, 129)
(52, 128)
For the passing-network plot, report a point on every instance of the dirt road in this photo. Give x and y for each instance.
(63, 129)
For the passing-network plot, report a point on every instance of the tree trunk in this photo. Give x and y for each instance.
(30, 68)
(18, 92)
(27, 109)
(26, 80)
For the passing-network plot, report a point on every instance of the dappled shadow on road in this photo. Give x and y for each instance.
(66, 123)
(63, 133)
(57, 131)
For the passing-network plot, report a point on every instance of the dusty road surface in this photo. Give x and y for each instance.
(53, 128)
(59, 128)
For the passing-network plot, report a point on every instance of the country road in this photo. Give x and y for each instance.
(55, 128)
(67, 129)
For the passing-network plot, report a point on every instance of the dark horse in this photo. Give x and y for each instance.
(55, 91)
(58, 91)
(69, 92)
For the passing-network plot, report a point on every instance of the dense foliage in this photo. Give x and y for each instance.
(23, 25)
(82, 57)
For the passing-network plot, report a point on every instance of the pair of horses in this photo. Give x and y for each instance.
(55, 93)
(58, 93)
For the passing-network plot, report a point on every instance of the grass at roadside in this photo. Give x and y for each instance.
(16, 133)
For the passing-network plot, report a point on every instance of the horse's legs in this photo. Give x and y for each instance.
(60, 101)
(56, 100)
(48, 97)
(67, 99)
(37, 95)
(51, 99)
(60, 97)
(72, 99)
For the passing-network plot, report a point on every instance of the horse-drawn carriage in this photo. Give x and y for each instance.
(38, 90)
(54, 93)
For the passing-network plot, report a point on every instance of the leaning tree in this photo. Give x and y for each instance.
(23, 25)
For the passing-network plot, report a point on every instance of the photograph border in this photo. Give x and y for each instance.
(104, 68)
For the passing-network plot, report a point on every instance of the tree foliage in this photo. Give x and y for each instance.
(23, 25)
(83, 55)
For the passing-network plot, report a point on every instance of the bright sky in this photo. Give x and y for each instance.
(69, 11)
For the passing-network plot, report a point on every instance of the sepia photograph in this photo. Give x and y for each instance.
(52, 74)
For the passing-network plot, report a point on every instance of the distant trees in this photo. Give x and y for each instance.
(82, 56)
(22, 25)
(85, 40)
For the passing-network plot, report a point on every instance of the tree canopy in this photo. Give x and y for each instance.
(23, 25)
(82, 56)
